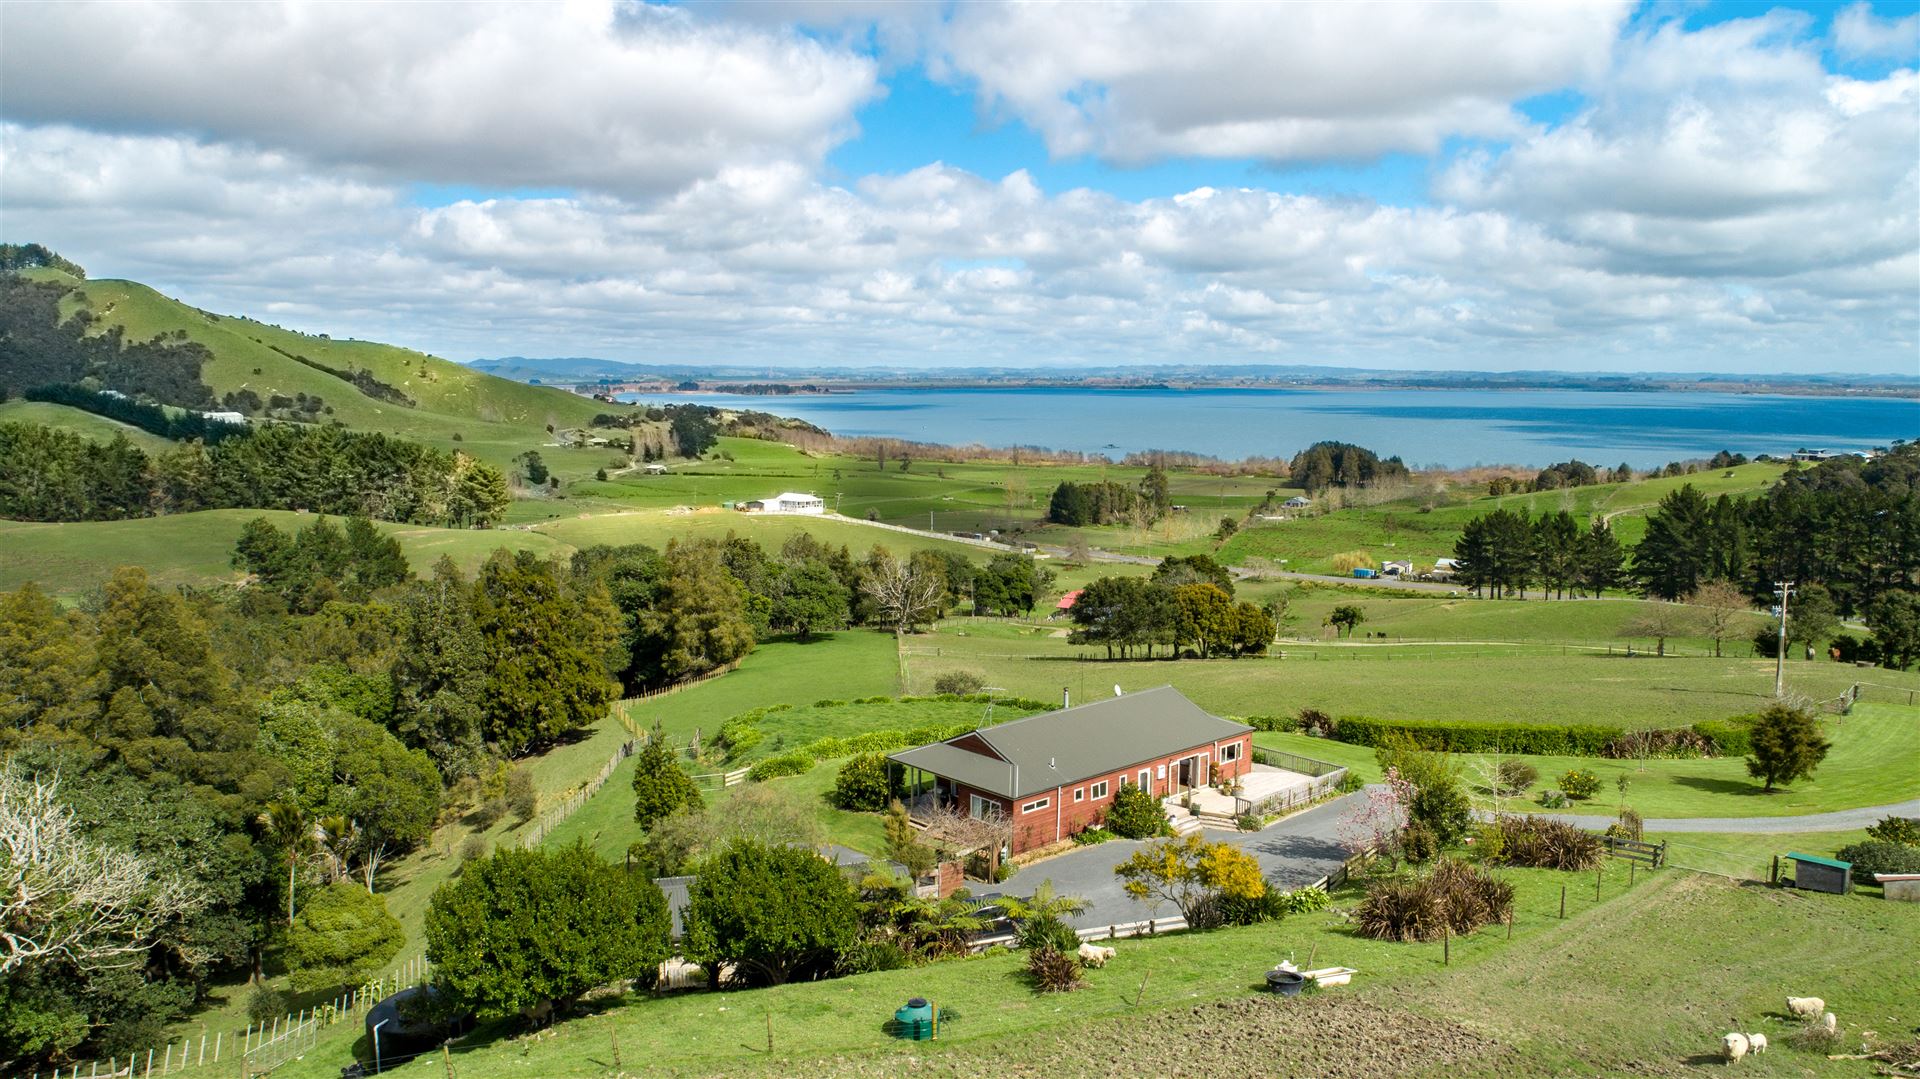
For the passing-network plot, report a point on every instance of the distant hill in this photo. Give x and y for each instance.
(250, 364)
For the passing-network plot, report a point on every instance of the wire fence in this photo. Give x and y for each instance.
(570, 805)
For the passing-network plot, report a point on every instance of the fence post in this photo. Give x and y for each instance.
(1563, 902)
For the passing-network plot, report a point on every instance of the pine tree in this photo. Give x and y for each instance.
(660, 785)
(1786, 746)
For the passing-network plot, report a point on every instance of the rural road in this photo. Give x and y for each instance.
(1838, 820)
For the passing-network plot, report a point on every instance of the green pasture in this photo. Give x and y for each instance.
(657, 527)
(80, 422)
(1750, 855)
(1875, 760)
(68, 558)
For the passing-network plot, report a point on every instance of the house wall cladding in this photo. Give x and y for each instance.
(1063, 814)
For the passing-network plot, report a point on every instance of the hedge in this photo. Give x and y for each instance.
(1733, 737)
(786, 764)
(1532, 738)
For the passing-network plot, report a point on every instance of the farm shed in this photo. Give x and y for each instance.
(1816, 874)
(1056, 773)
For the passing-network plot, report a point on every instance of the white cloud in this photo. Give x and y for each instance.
(1133, 82)
(1858, 32)
(595, 94)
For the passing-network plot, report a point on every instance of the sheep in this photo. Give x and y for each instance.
(1806, 1007)
(1734, 1046)
(1830, 1021)
(1094, 955)
(1757, 1042)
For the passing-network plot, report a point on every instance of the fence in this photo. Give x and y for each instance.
(1289, 800)
(1653, 855)
(1876, 693)
(257, 1049)
(719, 780)
(556, 816)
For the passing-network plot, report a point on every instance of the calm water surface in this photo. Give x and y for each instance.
(1446, 428)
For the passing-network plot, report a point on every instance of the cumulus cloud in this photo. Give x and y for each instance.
(620, 97)
(1858, 32)
(1133, 82)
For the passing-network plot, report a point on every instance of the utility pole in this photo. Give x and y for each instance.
(1783, 589)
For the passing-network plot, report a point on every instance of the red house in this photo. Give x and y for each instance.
(1055, 774)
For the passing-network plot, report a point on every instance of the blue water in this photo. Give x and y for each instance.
(1426, 428)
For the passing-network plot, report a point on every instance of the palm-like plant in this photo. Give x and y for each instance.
(1045, 903)
(286, 826)
(336, 836)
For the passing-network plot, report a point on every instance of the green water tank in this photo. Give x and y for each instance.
(914, 1020)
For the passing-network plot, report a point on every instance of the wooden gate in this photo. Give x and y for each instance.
(1634, 850)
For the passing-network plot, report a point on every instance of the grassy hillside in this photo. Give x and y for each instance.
(195, 548)
(494, 417)
(84, 424)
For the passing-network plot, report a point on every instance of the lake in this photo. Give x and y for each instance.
(1426, 428)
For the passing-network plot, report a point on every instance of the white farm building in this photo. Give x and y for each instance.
(790, 502)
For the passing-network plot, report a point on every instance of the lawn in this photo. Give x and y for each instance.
(1470, 683)
(1875, 760)
(69, 558)
(1749, 855)
(656, 527)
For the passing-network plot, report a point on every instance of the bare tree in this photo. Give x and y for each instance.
(62, 894)
(906, 593)
(1662, 620)
(1721, 607)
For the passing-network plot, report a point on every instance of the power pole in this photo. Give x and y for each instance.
(1783, 589)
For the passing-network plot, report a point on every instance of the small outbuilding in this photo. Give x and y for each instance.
(1816, 874)
(1900, 887)
(1297, 502)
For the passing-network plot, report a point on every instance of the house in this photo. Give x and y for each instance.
(1297, 502)
(226, 417)
(1055, 774)
(1397, 569)
(1065, 606)
(789, 502)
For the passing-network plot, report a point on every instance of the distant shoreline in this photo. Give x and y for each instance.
(818, 387)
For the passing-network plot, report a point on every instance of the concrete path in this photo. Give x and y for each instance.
(1839, 820)
(1292, 852)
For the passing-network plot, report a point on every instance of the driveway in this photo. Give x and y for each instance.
(1296, 851)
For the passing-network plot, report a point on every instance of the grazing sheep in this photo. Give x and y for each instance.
(1806, 1007)
(1757, 1042)
(1094, 955)
(1830, 1021)
(1734, 1046)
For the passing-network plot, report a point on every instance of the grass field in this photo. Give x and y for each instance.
(1875, 760)
(1491, 683)
(656, 527)
(68, 558)
(1180, 1003)
(1749, 856)
(84, 424)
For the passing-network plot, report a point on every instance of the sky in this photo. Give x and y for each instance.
(1469, 186)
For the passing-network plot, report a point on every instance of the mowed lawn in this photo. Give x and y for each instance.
(196, 549)
(1493, 684)
(1875, 760)
(656, 528)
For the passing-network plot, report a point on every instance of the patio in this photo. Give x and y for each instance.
(1263, 783)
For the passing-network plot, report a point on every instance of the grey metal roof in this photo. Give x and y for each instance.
(1077, 743)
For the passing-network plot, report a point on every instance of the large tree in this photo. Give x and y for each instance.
(548, 645)
(808, 596)
(1207, 618)
(527, 932)
(440, 673)
(698, 620)
(1894, 619)
(771, 912)
(905, 592)
(660, 786)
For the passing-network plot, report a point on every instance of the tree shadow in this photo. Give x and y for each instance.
(1726, 786)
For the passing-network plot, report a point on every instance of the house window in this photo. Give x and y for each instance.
(1079, 794)
(1099, 790)
(1146, 780)
(1036, 804)
(982, 808)
(1230, 752)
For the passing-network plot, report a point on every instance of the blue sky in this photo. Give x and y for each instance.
(1595, 185)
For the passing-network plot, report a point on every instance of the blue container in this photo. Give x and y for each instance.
(1363, 572)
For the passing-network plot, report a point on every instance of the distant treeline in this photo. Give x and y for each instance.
(153, 419)
(1578, 473)
(50, 475)
(1187, 605)
(1341, 464)
(359, 378)
(37, 348)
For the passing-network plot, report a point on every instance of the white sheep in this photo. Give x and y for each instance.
(1734, 1046)
(1830, 1021)
(1757, 1042)
(1094, 955)
(1806, 1007)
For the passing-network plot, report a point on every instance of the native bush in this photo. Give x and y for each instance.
(861, 785)
(1553, 799)
(1877, 856)
(1544, 843)
(1087, 837)
(958, 683)
(1580, 783)
(1903, 830)
(1135, 814)
(1054, 971)
(1454, 897)
(1350, 782)
(1419, 844)
(1628, 825)
(342, 935)
(1515, 776)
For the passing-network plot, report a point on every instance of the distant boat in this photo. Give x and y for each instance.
(1111, 446)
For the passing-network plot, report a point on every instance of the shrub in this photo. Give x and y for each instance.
(1903, 830)
(1545, 843)
(522, 798)
(1580, 783)
(1419, 844)
(1087, 837)
(1350, 782)
(1054, 971)
(787, 764)
(1876, 856)
(488, 813)
(474, 846)
(773, 912)
(1677, 743)
(342, 936)
(660, 785)
(1248, 823)
(1730, 737)
(1553, 799)
(266, 1003)
(959, 683)
(740, 734)
(1515, 776)
(1135, 814)
(861, 785)
(821, 749)
(1489, 841)
(1458, 737)
(1046, 931)
(872, 956)
(1269, 905)
(1454, 896)
(1304, 900)
(1272, 723)
(1316, 723)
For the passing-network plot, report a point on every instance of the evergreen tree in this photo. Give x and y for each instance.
(771, 912)
(342, 936)
(1676, 553)
(698, 620)
(807, 596)
(1601, 558)
(548, 646)
(440, 672)
(1786, 746)
(1895, 621)
(1206, 618)
(660, 786)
